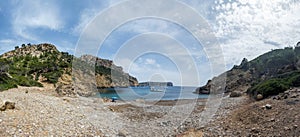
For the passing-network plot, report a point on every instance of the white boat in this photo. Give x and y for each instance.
(157, 89)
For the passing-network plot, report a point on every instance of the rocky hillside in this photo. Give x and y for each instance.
(33, 65)
(106, 69)
(268, 74)
(33, 50)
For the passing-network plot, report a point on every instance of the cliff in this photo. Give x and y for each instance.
(268, 74)
(34, 65)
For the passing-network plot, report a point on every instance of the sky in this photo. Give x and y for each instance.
(163, 46)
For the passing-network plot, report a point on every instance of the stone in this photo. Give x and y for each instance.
(295, 126)
(7, 105)
(259, 97)
(286, 128)
(268, 106)
(235, 94)
(276, 98)
(122, 133)
(254, 130)
(285, 96)
(294, 95)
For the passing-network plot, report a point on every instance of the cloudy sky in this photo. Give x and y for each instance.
(155, 48)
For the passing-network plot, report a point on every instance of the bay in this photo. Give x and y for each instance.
(134, 93)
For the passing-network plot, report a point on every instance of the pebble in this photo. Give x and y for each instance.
(254, 130)
(286, 128)
(272, 119)
(268, 106)
(295, 126)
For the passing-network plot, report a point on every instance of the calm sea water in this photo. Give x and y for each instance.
(133, 93)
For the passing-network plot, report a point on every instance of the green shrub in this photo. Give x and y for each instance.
(295, 80)
(7, 86)
(6, 82)
(269, 87)
(25, 81)
(52, 77)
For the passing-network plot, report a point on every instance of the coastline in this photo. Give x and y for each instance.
(40, 112)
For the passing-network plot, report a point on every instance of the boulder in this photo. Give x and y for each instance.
(259, 97)
(7, 105)
(235, 94)
(201, 90)
(122, 133)
(204, 89)
(65, 90)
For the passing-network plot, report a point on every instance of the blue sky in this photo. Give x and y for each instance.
(243, 29)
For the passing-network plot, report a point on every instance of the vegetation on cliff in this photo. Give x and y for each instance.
(268, 74)
(31, 65)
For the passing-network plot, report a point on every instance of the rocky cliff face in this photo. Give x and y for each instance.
(276, 64)
(108, 74)
(32, 65)
(33, 50)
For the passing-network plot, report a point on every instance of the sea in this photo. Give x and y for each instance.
(134, 93)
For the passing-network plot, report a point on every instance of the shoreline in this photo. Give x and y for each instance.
(40, 112)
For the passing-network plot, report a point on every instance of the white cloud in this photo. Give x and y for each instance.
(150, 61)
(86, 16)
(6, 41)
(147, 25)
(66, 46)
(90, 12)
(249, 28)
(167, 58)
(7, 44)
(35, 14)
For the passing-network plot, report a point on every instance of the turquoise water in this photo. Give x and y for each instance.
(133, 93)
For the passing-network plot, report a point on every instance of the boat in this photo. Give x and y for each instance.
(157, 89)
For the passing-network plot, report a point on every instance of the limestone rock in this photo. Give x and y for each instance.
(7, 105)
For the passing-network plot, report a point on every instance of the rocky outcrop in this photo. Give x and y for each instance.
(92, 60)
(204, 89)
(108, 74)
(33, 50)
